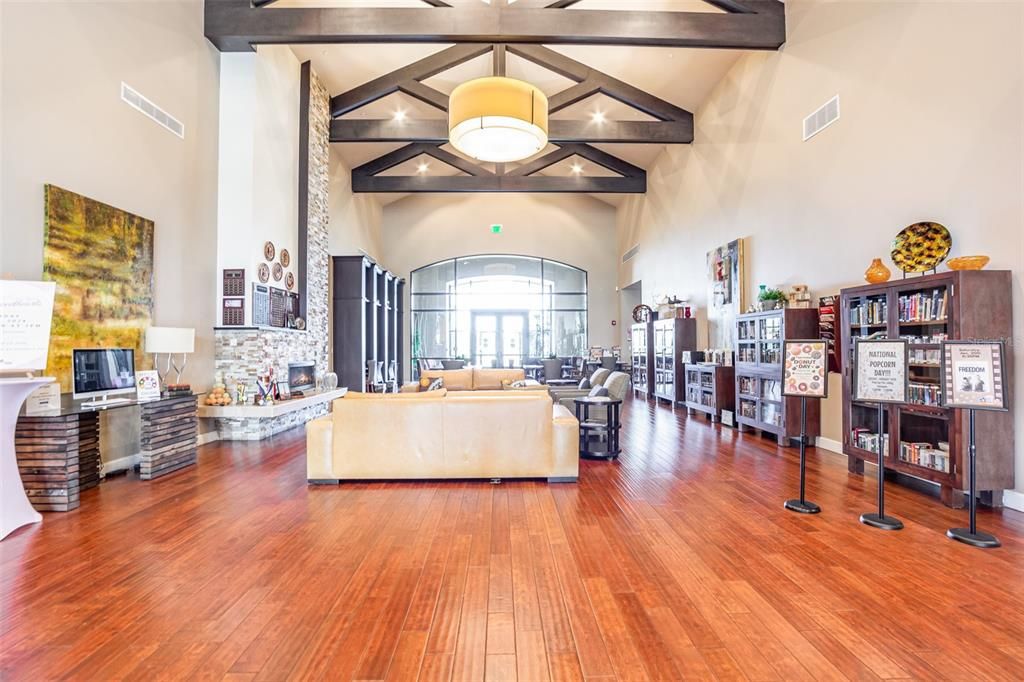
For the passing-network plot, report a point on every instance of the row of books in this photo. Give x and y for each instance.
(924, 306)
(924, 356)
(930, 338)
(926, 455)
(925, 394)
(872, 312)
(868, 440)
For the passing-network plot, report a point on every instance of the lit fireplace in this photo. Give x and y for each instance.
(301, 377)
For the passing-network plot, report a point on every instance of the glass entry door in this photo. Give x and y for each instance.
(498, 338)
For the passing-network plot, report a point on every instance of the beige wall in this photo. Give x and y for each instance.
(63, 122)
(355, 219)
(573, 229)
(931, 128)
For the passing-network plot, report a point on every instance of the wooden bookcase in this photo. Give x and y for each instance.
(931, 441)
(672, 336)
(367, 305)
(759, 400)
(710, 389)
(641, 348)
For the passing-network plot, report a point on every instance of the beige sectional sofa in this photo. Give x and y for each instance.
(442, 434)
(470, 379)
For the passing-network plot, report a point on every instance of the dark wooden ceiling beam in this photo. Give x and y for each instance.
(544, 161)
(425, 94)
(497, 183)
(559, 131)
(235, 25)
(391, 82)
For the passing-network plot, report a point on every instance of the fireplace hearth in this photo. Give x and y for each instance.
(301, 377)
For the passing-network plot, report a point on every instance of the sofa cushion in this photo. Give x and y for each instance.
(454, 379)
(490, 379)
(599, 376)
(617, 385)
(584, 384)
(598, 392)
(436, 384)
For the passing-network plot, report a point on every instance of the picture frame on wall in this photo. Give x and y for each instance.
(972, 375)
(805, 368)
(880, 370)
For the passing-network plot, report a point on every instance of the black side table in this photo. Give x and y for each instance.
(589, 427)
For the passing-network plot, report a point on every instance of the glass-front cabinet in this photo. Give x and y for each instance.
(672, 336)
(759, 348)
(641, 348)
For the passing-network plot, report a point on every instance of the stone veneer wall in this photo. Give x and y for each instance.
(243, 354)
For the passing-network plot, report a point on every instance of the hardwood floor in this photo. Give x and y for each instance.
(677, 561)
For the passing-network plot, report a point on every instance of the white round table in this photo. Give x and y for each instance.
(15, 509)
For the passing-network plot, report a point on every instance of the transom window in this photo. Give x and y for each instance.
(498, 311)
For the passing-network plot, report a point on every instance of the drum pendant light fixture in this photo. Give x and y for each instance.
(498, 119)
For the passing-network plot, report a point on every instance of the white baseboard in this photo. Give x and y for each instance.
(1014, 499)
(208, 437)
(120, 464)
(828, 444)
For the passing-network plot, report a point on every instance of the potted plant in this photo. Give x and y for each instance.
(772, 299)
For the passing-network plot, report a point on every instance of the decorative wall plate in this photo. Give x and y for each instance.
(263, 272)
(286, 258)
(642, 313)
(921, 247)
(269, 251)
(289, 281)
(278, 272)
(300, 323)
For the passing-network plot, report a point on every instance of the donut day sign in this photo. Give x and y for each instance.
(880, 371)
(805, 369)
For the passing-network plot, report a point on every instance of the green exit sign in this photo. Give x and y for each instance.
(496, 228)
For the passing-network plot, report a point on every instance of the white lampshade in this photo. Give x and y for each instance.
(170, 340)
(498, 119)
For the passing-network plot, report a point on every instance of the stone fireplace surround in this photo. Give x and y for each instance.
(243, 353)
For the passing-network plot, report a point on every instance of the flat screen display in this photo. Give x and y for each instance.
(105, 370)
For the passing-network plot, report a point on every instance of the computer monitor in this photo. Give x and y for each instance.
(102, 372)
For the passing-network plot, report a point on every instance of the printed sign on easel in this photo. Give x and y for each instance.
(972, 375)
(805, 369)
(880, 371)
(26, 309)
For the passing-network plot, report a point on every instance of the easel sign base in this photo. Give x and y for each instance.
(883, 522)
(979, 539)
(802, 507)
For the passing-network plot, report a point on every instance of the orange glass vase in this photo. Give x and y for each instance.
(877, 272)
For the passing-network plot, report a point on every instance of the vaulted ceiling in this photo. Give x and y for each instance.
(649, 74)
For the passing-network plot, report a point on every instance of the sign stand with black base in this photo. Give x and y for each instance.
(880, 377)
(804, 375)
(972, 536)
(802, 505)
(880, 520)
(972, 379)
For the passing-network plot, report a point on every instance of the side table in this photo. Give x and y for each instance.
(592, 427)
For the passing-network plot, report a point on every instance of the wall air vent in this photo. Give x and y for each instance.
(632, 252)
(134, 99)
(822, 118)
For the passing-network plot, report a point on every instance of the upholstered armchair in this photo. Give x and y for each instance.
(617, 384)
(596, 379)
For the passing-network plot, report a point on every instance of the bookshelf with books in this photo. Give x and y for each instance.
(932, 440)
(710, 389)
(672, 336)
(760, 404)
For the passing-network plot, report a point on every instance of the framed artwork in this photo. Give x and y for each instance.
(101, 259)
(880, 370)
(726, 292)
(972, 375)
(805, 369)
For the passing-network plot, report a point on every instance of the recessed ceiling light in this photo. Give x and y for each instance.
(577, 168)
(400, 115)
(597, 117)
(423, 167)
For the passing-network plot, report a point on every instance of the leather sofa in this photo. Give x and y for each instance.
(441, 434)
(470, 379)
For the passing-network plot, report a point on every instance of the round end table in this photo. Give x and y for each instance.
(593, 427)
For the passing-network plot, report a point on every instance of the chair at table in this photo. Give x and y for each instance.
(608, 361)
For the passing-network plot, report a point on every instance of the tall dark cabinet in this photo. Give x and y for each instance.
(672, 336)
(368, 323)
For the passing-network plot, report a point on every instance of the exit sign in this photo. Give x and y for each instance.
(496, 228)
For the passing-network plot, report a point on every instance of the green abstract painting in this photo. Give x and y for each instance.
(102, 261)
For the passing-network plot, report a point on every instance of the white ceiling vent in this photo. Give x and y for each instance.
(632, 252)
(822, 118)
(140, 103)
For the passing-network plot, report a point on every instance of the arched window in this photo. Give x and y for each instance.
(498, 311)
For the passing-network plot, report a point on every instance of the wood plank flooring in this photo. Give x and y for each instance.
(676, 562)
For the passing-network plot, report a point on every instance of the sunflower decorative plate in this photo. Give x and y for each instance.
(921, 247)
